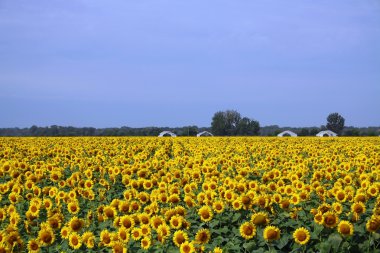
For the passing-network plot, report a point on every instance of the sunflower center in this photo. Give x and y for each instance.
(301, 236)
(272, 234)
(345, 229)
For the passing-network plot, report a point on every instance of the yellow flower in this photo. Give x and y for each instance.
(75, 240)
(358, 208)
(373, 224)
(180, 237)
(330, 219)
(301, 236)
(205, 213)
(345, 228)
(247, 230)
(105, 238)
(146, 242)
(127, 221)
(271, 233)
(88, 239)
(218, 206)
(33, 246)
(136, 234)
(187, 247)
(259, 218)
(46, 236)
(202, 236)
(73, 207)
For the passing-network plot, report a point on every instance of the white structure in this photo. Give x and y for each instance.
(167, 132)
(327, 133)
(287, 133)
(204, 133)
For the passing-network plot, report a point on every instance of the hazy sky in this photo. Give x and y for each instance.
(175, 62)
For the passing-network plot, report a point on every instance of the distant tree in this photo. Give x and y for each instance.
(247, 126)
(230, 123)
(218, 124)
(304, 132)
(335, 122)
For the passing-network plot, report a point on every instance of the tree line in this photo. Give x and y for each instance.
(223, 123)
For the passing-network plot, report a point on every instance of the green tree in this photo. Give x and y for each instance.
(231, 123)
(218, 124)
(335, 122)
(248, 126)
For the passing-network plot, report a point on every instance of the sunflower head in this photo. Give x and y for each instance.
(205, 213)
(75, 241)
(301, 235)
(358, 207)
(187, 247)
(373, 224)
(180, 237)
(260, 218)
(202, 236)
(271, 233)
(330, 219)
(247, 230)
(345, 228)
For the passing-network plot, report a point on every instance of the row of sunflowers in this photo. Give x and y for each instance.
(145, 194)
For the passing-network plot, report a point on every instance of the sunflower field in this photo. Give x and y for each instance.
(209, 194)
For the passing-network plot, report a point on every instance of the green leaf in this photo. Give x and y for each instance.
(259, 250)
(249, 246)
(335, 240)
(236, 217)
(324, 247)
(284, 240)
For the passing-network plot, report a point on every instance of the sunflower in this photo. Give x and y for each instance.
(373, 224)
(136, 234)
(146, 242)
(218, 206)
(105, 238)
(180, 237)
(247, 230)
(176, 222)
(337, 207)
(47, 203)
(75, 224)
(73, 207)
(109, 212)
(127, 221)
(123, 234)
(65, 231)
(156, 221)
(202, 236)
(75, 241)
(144, 218)
(295, 199)
(46, 236)
(145, 230)
(358, 207)
(301, 235)
(271, 233)
(118, 247)
(340, 196)
(187, 247)
(259, 218)
(330, 219)
(163, 230)
(318, 218)
(33, 246)
(88, 239)
(345, 228)
(237, 204)
(205, 213)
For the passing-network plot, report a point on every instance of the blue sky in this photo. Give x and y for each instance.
(174, 63)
